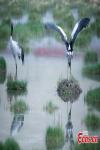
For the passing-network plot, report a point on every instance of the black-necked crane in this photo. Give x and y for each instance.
(83, 23)
(17, 51)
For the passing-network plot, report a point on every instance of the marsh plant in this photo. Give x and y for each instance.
(36, 10)
(89, 146)
(16, 85)
(2, 70)
(2, 77)
(19, 107)
(9, 144)
(92, 98)
(1, 146)
(91, 57)
(92, 71)
(54, 138)
(92, 122)
(2, 64)
(50, 107)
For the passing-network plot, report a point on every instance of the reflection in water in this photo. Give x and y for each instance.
(17, 124)
(11, 97)
(69, 130)
(15, 88)
(42, 75)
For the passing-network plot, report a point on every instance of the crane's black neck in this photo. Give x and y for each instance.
(69, 46)
(11, 29)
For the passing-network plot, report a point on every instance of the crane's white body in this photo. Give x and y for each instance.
(15, 49)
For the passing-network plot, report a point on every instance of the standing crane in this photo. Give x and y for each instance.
(17, 51)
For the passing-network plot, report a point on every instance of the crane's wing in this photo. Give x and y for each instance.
(83, 23)
(58, 29)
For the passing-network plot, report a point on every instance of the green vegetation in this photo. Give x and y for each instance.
(92, 122)
(2, 64)
(10, 144)
(2, 70)
(19, 107)
(16, 92)
(91, 57)
(54, 138)
(1, 146)
(93, 98)
(89, 146)
(50, 108)
(16, 86)
(4, 34)
(23, 33)
(36, 9)
(92, 71)
(2, 77)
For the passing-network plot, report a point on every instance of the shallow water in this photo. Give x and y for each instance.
(42, 75)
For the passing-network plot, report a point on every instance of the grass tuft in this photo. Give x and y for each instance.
(92, 122)
(16, 85)
(11, 144)
(54, 138)
(89, 146)
(92, 71)
(93, 98)
(91, 57)
(50, 107)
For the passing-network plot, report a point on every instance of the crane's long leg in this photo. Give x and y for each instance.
(67, 70)
(16, 67)
(16, 71)
(70, 70)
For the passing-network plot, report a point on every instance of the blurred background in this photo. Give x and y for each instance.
(32, 115)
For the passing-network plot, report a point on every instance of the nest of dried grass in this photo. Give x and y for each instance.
(68, 90)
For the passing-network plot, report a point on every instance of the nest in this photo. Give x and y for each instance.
(68, 90)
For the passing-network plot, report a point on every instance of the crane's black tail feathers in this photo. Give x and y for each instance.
(12, 29)
(22, 55)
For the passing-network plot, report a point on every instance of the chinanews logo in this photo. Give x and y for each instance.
(83, 137)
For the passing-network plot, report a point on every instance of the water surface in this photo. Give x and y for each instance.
(42, 75)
